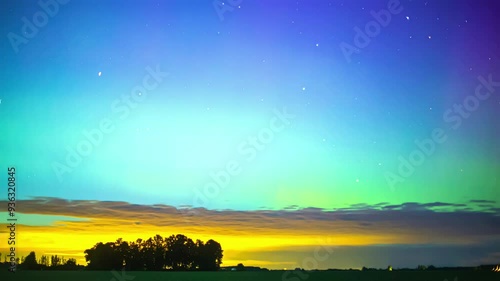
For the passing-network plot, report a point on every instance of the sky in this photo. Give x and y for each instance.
(366, 129)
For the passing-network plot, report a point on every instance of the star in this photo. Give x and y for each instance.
(317, 45)
(357, 180)
(99, 74)
(407, 17)
(303, 88)
(429, 37)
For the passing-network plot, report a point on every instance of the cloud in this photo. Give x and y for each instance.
(483, 201)
(411, 220)
(360, 225)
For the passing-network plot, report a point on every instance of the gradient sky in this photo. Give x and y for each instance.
(333, 173)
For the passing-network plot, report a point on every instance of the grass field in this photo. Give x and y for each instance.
(249, 276)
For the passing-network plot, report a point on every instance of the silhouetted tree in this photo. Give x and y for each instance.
(240, 267)
(421, 267)
(180, 252)
(197, 254)
(70, 264)
(44, 261)
(176, 252)
(104, 257)
(153, 252)
(55, 261)
(211, 256)
(30, 262)
(134, 259)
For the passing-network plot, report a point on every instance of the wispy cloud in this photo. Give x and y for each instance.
(456, 221)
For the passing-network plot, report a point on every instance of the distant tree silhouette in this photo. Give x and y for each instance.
(44, 261)
(134, 258)
(240, 267)
(30, 262)
(211, 256)
(180, 252)
(197, 254)
(176, 252)
(55, 261)
(421, 267)
(70, 264)
(153, 253)
(104, 257)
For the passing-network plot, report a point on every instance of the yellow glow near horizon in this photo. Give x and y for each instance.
(70, 239)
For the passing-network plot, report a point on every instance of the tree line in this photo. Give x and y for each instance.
(176, 252)
(53, 262)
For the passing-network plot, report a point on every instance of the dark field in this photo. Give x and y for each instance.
(249, 276)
